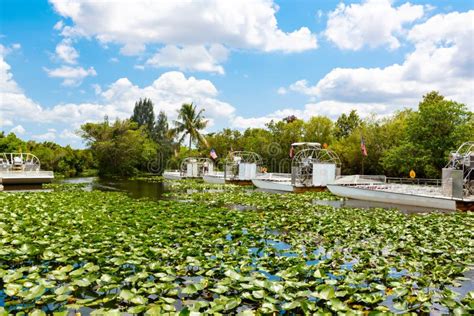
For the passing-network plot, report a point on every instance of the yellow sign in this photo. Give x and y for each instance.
(412, 174)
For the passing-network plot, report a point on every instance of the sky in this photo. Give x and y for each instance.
(246, 62)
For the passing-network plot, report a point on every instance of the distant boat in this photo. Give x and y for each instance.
(312, 168)
(22, 168)
(191, 168)
(240, 167)
(454, 191)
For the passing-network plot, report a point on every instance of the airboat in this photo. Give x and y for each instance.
(191, 167)
(312, 168)
(240, 167)
(454, 191)
(22, 168)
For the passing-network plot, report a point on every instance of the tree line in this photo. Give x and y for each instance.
(419, 140)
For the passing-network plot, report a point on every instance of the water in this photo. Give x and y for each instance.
(134, 188)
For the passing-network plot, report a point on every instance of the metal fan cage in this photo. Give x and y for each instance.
(235, 158)
(203, 165)
(302, 164)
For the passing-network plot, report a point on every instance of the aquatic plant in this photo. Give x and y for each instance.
(69, 249)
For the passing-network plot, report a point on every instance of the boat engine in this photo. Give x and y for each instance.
(459, 172)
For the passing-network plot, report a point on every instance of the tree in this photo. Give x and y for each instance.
(319, 129)
(121, 148)
(438, 127)
(345, 124)
(163, 138)
(190, 123)
(143, 115)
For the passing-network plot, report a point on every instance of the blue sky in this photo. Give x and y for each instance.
(65, 62)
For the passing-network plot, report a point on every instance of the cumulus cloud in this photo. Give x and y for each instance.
(193, 57)
(18, 130)
(72, 76)
(168, 92)
(442, 60)
(372, 23)
(66, 52)
(240, 24)
(282, 91)
(48, 136)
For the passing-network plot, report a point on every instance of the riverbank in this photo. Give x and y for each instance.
(226, 250)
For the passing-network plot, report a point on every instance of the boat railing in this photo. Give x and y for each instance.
(415, 181)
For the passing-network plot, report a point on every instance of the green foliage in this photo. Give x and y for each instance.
(144, 115)
(346, 124)
(438, 127)
(163, 138)
(420, 140)
(62, 160)
(121, 148)
(67, 249)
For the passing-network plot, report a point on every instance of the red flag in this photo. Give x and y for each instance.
(362, 147)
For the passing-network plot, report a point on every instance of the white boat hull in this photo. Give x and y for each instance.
(170, 175)
(392, 197)
(214, 179)
(26, 177)
(273, 185)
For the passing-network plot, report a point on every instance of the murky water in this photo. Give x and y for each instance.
(134, 188)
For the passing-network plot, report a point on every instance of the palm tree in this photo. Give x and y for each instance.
(190, 123)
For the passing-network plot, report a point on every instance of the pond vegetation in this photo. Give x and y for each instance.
(106, 253)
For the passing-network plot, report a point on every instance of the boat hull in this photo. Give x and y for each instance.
(213, 179)
(172, 175)
(273, 185)
(392, 197)
(26, 177)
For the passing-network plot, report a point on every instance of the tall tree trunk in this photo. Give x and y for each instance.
(190, 139)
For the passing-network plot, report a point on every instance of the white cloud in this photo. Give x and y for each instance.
(282, 91)
(114, 60)
(192, 57)
(246, 24)
(168, 92)
(73, 76)
(66, 52)
(69, 135)
(372, 23)
(49, 136)
(5, 123)
(59, 25)
(443, 60)
(18, 130)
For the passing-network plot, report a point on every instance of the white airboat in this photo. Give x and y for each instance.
(454, 191)
(191, 168)
(312, 169)
(240, 167)
(22, 168)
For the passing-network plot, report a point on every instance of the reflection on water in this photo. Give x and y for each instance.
(134, 188)
(350, 203)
